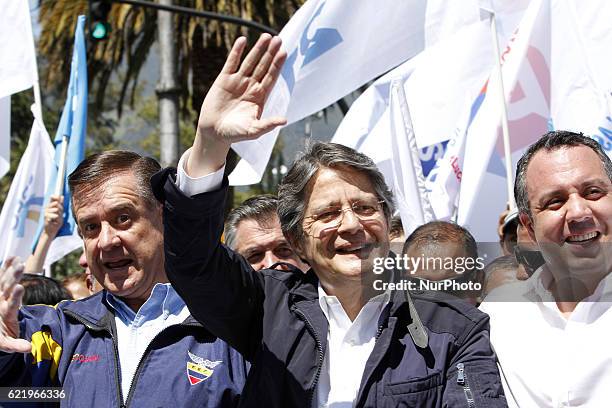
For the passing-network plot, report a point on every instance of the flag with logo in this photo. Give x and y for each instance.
(527, 84)
(24, 202)
(332, 49)
(434, 96)
(71, 130)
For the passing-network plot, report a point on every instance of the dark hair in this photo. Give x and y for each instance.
(293, 188)
(435, 232)
(75, 277)
(553, 141)
(99, 167)
(396, 229)
(41, 290)
(261, 208)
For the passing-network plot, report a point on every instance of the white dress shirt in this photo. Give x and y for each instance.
(349, 344)
(548, 360)
(135, 331)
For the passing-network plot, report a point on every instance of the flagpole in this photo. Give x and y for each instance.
(61, 171)
(504, 112)
(38, 102)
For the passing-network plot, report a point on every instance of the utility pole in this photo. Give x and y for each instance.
(167, 88)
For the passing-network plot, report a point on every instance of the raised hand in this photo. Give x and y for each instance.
(54, 215)
(11, 293)
(231, 111)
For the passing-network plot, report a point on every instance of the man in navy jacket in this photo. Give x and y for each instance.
(322, 338)
(134, 343)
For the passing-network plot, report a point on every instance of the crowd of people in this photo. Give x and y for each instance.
(275, 305)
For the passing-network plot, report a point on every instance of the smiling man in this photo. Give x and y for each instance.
(134, 342)
(561, 315)
(323, 338)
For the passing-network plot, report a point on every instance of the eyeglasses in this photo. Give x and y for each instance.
(531, 260)
(331, 217)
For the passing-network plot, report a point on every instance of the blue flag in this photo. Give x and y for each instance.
(72, 125)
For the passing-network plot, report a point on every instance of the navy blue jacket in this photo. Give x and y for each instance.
(274, 319)
(74, 347)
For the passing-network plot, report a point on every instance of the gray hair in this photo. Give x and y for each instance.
(549, 142)
(261, 208)
(292, 189)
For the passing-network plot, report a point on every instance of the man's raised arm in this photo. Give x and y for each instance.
(232, 109)
(220, 288)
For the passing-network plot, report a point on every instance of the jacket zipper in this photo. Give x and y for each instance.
(142, 358)
(463, 382)
(320, 351)
(115, 349)
(379, 331)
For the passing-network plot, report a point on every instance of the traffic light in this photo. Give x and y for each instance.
(99, 28)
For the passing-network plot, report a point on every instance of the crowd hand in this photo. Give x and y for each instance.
(11, 293)
(231, 111)
(54, 215)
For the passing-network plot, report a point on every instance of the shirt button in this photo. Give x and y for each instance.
(351, 342)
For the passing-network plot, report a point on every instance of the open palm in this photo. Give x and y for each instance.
(232, 109)
(10, 301)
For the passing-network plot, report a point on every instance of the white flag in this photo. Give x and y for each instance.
(24, 202)
(526, 79)
(18, 66)
(435, 97)
(333, 48)
(408, 180)
(579, 99)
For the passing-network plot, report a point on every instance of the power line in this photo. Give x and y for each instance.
(200, 13)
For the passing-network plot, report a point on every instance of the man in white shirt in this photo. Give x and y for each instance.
(551, 333)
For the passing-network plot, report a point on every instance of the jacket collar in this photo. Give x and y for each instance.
(95, 312)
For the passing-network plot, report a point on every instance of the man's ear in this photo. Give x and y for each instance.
(527, 223)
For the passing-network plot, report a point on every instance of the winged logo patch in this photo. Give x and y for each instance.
(199, 368)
